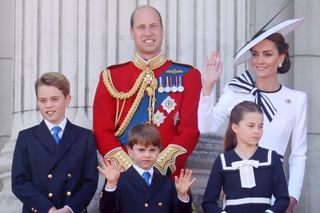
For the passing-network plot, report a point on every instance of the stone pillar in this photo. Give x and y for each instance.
(306, 78)
(49, 36)
(79, 38)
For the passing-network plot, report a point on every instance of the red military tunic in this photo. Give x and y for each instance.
(179, 125)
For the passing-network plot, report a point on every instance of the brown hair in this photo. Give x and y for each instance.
(142, 7)
(236, 115)
(283, 48)
(144, 134)
(54, 79)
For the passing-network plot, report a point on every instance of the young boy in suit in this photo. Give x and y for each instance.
(142, 188)
(54, 163)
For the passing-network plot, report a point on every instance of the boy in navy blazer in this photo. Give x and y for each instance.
(142, 188)
(54, 163)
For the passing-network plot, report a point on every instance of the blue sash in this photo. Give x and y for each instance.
(141, 114)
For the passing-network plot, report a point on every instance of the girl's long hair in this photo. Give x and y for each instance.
(236, 115)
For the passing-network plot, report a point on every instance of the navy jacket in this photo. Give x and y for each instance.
(133, 195)
(46, 174)
(269, 178)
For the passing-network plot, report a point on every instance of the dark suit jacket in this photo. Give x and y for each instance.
(133, 195)
(45, 174)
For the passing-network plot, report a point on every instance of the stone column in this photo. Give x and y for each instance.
(79, 38)
(306, 78)
(225, 26)
(49, 36)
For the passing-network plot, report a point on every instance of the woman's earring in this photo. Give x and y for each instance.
(279, 65)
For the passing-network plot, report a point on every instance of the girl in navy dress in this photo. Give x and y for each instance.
(247, 174)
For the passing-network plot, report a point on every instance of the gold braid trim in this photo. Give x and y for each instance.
(167, 158)
(149, 84)
(132, 110)
(107, 80)
(146, 81)
(120, 157)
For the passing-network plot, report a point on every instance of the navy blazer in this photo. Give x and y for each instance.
(133, 195)
(46, 174)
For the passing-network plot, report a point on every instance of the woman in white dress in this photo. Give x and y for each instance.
(285, 110)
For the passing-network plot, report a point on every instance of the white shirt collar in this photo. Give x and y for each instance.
(141, 171)
(62, 125)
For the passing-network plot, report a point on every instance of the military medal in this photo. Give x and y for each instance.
(159, 118)
(160, 88)
(180, 87)
(173, 81)
(168, 104)
(167, 88)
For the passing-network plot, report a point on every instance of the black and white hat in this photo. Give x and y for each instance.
(283, 28)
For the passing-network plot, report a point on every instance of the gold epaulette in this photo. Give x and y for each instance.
(167, 158)
(120, 157)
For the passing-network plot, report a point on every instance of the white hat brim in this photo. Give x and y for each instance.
(283, 28)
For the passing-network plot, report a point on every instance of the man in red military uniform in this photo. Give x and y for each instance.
(151, 89)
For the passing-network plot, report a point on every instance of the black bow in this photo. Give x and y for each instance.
(244, 83)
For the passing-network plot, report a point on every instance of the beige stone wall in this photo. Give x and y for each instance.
(6, 69)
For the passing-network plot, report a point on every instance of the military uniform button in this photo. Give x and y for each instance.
(50, 195)
(160, 204)
(69, 175)
(68, 193)
(50, 176)
(146, 205)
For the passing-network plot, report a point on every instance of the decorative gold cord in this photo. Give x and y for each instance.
(131, 111)
(107, 80)
(146, 81)
(118, 114)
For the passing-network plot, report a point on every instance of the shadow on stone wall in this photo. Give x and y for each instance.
(200, 161)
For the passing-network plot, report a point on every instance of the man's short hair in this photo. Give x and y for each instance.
(54, 79)
(145, 135)
(141, 7)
